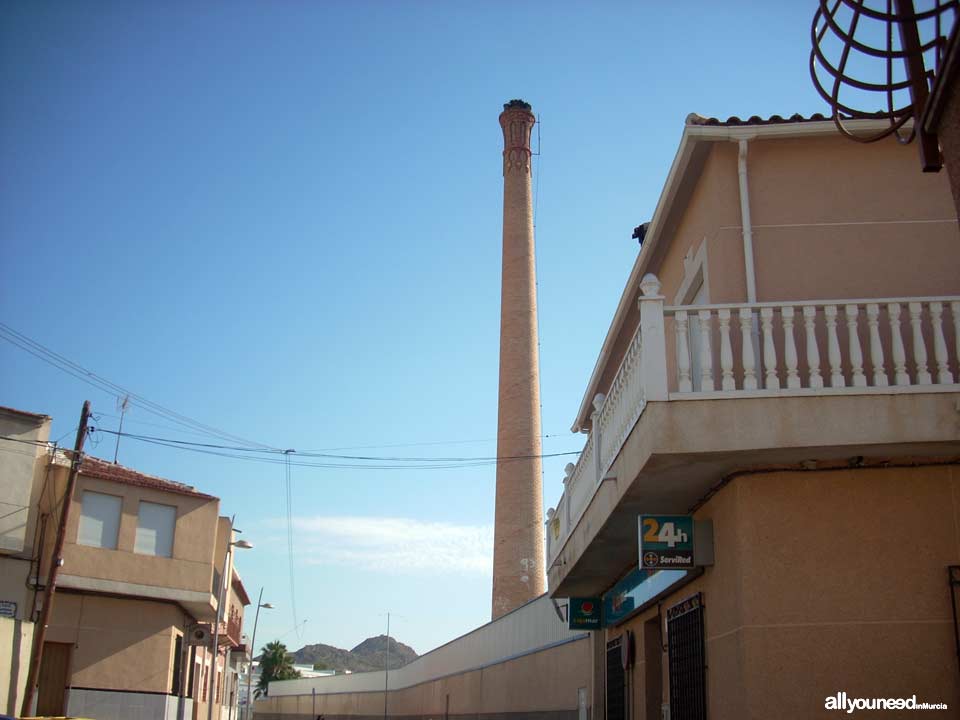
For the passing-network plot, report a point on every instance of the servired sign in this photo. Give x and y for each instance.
(666, 542)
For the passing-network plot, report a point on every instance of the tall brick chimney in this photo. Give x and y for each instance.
(518, 556)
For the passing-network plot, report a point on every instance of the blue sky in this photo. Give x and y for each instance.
(283, 220)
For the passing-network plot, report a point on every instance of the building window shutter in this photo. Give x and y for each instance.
(99, 520)
(155, 525)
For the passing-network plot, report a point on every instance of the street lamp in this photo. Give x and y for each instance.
(243, 545)
(253, 649)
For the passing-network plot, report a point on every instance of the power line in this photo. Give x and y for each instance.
(187, 425)
(549, 436)
(44, 443)
(81, 373)
(333, 456)
(162, 426)
(277, 460)
(348, 462)
(288, 486)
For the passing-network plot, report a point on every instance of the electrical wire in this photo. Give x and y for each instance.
(187, 425)
(42, 443)
(162, 426)
(332, 456)
(288, 486)
(81, 373)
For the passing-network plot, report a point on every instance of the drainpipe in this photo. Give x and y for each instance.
(745, 221)
(748, 267)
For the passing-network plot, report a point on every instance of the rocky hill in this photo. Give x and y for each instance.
(368, 655)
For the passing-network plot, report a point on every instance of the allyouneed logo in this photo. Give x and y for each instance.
(842, 701)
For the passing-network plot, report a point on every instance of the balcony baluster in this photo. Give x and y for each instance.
(876, 348)
(852, 312)
(789, 347)
(944, 376)
(919, 346)
(813, 351)
(726, 351)
(683, 353)
(706, 354)
(833, 347)
(749, 360)
(772, 381)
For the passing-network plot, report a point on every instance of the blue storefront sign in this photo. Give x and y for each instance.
(635, 589)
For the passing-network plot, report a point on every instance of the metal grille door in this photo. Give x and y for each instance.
(615, 682)
(688, 677)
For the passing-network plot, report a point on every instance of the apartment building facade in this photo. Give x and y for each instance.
(780, 377)
(130, 632)
(23, 448)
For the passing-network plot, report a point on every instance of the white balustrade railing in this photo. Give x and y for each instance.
(622, 406)
(873, 345)
(870, 352)
(641, 375)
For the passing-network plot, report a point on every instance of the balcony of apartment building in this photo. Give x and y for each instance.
(703, 391)
(793, 305)
(231, 628)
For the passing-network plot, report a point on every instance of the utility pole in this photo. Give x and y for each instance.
(56, 560)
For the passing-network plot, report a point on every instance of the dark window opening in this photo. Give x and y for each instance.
(177, 665)
(616, 707)
(688, 675)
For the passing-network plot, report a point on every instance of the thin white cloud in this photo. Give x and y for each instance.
(400, 545)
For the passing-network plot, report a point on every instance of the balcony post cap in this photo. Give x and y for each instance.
(650, 285)
(598, 400)
(550, 513)
(568, 470)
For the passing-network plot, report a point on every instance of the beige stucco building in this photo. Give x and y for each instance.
(782, 368)
(23, 442)
(143, 562)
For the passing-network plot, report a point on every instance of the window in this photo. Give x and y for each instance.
(155, 525)
(685, 642)
(177, 665)
(99, 520)
(616, 683)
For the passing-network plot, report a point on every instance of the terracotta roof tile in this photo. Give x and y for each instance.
(734, 121)
(96, 468)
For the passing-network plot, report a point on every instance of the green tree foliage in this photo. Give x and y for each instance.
(275, 664)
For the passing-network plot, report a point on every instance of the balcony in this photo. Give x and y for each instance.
(231, 631)
(746, 385)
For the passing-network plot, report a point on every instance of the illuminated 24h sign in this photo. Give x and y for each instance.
(666, 542)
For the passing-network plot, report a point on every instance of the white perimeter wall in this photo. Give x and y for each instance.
(528, 628)
(104, 705)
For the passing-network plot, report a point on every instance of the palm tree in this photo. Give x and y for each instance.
(275, 664)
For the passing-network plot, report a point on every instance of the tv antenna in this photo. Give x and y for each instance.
(123, 404)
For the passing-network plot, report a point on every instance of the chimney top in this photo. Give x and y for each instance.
(517, 104)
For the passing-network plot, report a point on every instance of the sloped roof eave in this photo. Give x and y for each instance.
(102, 470)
